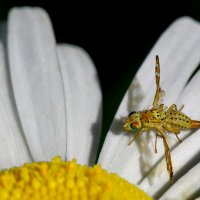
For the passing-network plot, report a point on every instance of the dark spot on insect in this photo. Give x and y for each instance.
(133, 112)
(153, 117)
(187, 121)
(162, 119)
(171, 118)
(175, 118)
(158, 115)
(170, 113)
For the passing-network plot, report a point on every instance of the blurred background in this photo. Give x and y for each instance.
(117, 36)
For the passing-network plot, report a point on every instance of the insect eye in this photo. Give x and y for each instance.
(131, 113)
(133, 127)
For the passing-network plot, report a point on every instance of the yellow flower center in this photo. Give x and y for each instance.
(64, 180)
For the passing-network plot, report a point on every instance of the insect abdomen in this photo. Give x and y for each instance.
(195, 124)
(178, 119)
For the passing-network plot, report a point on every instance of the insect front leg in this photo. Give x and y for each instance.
(137, 134)
(159, 93)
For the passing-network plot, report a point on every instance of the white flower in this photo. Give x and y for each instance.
(50, 104)
(47, 90)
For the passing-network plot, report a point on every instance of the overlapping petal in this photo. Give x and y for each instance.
(83, 103)
(50, 104)
(187, 187)
(56, 89)
(178, 49)
(186, 154)
(37, 83)
(13, 148)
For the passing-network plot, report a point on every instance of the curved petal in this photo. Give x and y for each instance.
(83, 103)
(157, 180)
(184, 156)
(37, 82)
(187, 187)
(178, 48)
(13, 148)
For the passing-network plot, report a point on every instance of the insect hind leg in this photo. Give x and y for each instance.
(169, 166)
(168, 158)
(173, 129)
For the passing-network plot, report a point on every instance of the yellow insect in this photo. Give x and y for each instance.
(160, 119)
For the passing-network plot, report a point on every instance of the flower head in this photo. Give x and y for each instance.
(64, 180)
(50, 104)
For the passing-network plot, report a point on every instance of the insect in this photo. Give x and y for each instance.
(161, 119)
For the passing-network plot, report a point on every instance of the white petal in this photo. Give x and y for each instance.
(83, 103)
(190, 97)
(189, 149)
(185, 188)
(37, 82)
(179, 50)
(13, 148)
(3, 33)
(184, 156)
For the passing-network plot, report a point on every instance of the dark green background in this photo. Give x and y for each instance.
(118, 36)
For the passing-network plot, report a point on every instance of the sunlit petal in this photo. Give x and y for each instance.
(36, 81)
(189, 148)
(178, 48)
(187, 187)
(83, 103)
(13, 148)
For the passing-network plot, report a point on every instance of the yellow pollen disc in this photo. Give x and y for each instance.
(62, 180)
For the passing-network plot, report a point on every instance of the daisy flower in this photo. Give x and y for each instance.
(50, 105)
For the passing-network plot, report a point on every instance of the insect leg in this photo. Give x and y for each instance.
(173, 107)
(155, 148)
(167, 153)
(168, 158)
(181, 107)
(159, 92)
(173, 129)
(161, 107)
(137, 134)
(178, 138)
